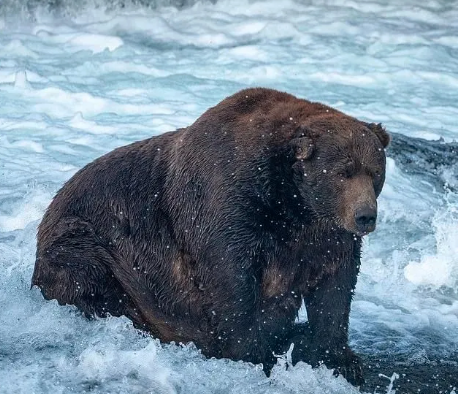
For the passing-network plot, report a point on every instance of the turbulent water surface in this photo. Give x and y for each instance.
(77, 80)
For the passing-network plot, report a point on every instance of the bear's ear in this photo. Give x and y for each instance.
(380, 132)
(303, 148)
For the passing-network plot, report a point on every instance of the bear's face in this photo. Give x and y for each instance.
(340, 172)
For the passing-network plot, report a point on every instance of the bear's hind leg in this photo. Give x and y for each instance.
(73, 267)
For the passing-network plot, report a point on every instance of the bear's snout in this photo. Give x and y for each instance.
(358, 213)
(365, 218)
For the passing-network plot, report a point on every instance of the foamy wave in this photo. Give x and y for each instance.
(78, 79)
(441, 268)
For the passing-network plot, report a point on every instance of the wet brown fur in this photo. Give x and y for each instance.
(214, 233)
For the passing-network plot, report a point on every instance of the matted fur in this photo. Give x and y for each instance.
(214, 233)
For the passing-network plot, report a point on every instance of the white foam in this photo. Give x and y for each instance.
(440, 269)
(26, 210)
(104, 361)
(344, 78)
(73, 89)
(251, 52)
(123, 67)
(61, 103)
(20, 80)
(18, 49)
(79, 122)
(95, 42)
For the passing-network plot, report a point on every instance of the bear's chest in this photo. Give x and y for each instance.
(299, 266)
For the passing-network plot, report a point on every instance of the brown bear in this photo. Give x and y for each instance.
(215, 233)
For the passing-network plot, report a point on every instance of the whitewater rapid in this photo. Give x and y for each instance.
(79, 81)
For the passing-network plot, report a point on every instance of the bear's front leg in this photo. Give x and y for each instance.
(253, 328)
(326, 336)
(249, 321)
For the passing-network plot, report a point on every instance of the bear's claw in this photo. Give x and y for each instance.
(352, 370)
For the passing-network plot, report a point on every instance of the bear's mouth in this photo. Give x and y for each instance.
(363, 232)
(359, 231)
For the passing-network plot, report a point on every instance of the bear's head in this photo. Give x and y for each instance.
(339, 170)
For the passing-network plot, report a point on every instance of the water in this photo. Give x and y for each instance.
(78, 81)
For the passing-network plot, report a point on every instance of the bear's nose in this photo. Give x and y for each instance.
(365, 219)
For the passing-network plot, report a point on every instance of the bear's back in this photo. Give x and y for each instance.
(114, 185)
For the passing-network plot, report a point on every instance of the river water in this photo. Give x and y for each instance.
(78, 80)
